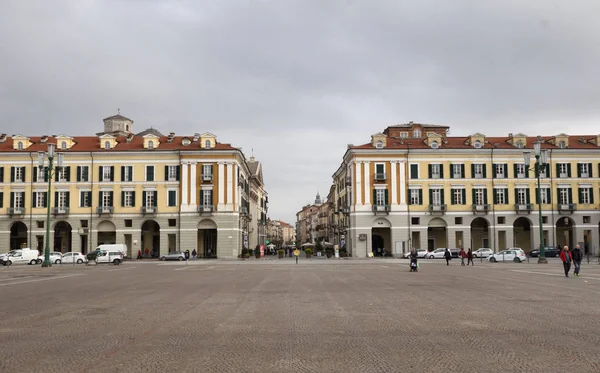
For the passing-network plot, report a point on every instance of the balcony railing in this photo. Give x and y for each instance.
(16, 211)
(380, 176)
(206, 208)
(437, 207)
(523, 207)
(148, 209)
(207, 177)
(567, 207)
(381, 208)
(60, 210)
(104, 209)
(481, 207)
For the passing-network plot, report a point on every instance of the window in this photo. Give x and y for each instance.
(63, 174)
(172, 222)
(380, 197)
(207, 173)
(544, 195)
(477, 144)
(149, 173)
(207, 144)
(126, 173)
(416, 197)
(107, 173)
(520, 171)
(107, 145)
(415, 221)
(479, 196)
(172, 173)
(586, 196)
(522, 195)
(128, 199)
(150, 144)
(40, 224)
(150, 198)
(587, 219)
(206, 197)
(501, 196)
(478, 171)
(40, 199)
(20, 145)
(501, 219)
(185, 142)
(172, 198)
(458, 220)
(106, 200)
(379, 144)
(458, 196)
(19, 174)
(544, 171)
(128, 223)
(435, 145)
(417, 133)
(520, 144)
(85, 199)
(500, 171)
(436, 197)
(63, 145)
(457, 170)
(83, 173)
(414, 171)
(436, 171)
(62, 200)
(562, 145)
(403, 135)
(18, 200)
(563, 170)
(563, 196)
(41, 174)
(585, 170)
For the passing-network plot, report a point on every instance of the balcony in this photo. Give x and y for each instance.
(60, 211)
(567, 207)
(148, 209)
(380, 176)
(523, 208)
(206, 209)
(381, 209)
(437, 208)
(16, 211)
(207, 178)
(481, 208)
(104, 210)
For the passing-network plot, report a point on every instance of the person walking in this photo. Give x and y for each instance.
(448, 256)
(577, 258)
(139, 254)
(194, 253)
(587, 253)
(462, 255)
(297, 254)
(470, 257)
(186, 254)
(567, 258)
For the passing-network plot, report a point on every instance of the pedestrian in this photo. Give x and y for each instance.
(448, 256)
(462, 255)
(587, 253)
(139, 254)
(577, 258)
(146, 251)
(470, 257)
(194, 253)
(187, 256)
(297, 254)
(567, 258)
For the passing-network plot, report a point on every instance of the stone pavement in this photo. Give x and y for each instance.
(317, 316)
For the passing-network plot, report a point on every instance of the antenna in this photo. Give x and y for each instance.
(118, 111)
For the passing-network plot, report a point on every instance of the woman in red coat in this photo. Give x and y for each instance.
(566, 258)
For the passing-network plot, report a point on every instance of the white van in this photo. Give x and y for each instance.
(113, 247)
(22, 256)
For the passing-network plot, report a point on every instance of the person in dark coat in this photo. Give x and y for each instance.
(577, 258)
(567, 258)
(470, 257)
(186, 254)
(448, 256)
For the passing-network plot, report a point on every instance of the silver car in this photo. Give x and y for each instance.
(55, 257)
(482, 253)
(178, 255)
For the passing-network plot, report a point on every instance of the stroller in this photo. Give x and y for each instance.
(414, 267)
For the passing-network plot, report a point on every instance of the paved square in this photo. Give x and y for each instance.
(318, 316)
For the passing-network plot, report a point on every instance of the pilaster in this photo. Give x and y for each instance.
(193, 188)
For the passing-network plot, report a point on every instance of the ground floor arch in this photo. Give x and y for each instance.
(150, 239)
(62, 236)
(206, 244)
(381, 238)
(522, 232)
(107, 232)
(437, 234)
(565, 232)
(480, 234)
(18, 235)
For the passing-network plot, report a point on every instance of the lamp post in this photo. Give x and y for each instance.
(50, 171)
(540, 162)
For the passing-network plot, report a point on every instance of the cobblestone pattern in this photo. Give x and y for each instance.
(345, 316)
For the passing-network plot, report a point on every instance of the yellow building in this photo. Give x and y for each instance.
(146, 190)
(415, 186)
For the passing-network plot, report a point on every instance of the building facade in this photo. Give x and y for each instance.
(307, 222)
(415, 186)
(146, 190)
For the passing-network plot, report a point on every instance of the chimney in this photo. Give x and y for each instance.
(129, 138)
(3, 137)
(171, 136)
(44, 139)
(510, 135)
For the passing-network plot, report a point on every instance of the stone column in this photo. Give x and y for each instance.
(402, 183)
(184, 183)
(394, 177)
(367, 183)
(358, 187)
(193, 190)
(221, 186)
(230, 201)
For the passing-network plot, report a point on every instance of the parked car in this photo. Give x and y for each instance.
(21, 256)
(55, 257)
(549, 252)
(436, 254)
(510, 255)
(72, 257)
(482, 253)
(421, 253)
(111, 256)
(178, 255)
(454, 252)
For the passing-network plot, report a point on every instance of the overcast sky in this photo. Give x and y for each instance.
(298, 80)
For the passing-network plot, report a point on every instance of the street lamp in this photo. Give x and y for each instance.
(540, 162)
(50, 171)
